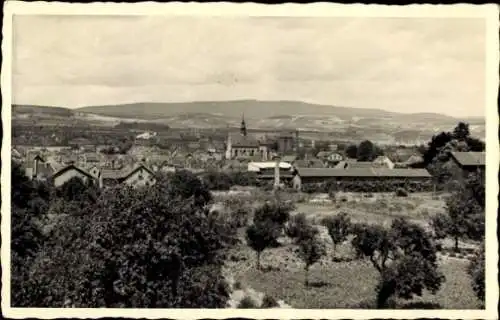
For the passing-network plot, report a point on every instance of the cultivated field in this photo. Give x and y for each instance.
(338, 280)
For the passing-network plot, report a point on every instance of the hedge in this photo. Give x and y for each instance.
(368, 186)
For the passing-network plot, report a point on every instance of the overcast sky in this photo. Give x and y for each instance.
(405, 65)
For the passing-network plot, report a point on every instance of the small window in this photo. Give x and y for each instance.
(141, 177)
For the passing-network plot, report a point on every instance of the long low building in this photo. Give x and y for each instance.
(321, 174)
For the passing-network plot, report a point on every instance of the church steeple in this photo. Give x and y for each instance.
(243, 127)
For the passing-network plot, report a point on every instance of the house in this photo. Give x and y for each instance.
(138, 176)
(464, 163)
(68, 172)
(383, 162)
(334, 157)
(36, 168)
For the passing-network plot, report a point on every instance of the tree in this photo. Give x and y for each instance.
(461, 131)
(404, 255)
(351, 151)
(339, 227)
(366, 151)
(260, 236)
(465, 212)
(28, 207)
(311, 250)
(75, 189)
(135, 248)
(268, 224)
(476, 270)
(185, 185)
(296, 225)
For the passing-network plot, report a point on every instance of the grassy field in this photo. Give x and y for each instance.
(347, 284)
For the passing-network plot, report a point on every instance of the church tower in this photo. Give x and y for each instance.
(243, 127)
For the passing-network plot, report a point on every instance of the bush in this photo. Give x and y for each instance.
(400, 192)
(248, 303)
(269, 302)
(135, 248)
(296, 225)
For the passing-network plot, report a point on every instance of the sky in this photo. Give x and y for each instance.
(396, 64)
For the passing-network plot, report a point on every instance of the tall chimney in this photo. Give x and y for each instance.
(277, 172)
(35, 166)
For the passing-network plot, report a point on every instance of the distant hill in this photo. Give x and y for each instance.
(350, 123)
(41, 110)
(251, 108)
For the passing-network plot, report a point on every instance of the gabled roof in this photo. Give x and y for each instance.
(139, 166)
(71, 167)
(470, 158)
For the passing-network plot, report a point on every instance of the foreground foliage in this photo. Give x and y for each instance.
(405, 257)
(146, 248)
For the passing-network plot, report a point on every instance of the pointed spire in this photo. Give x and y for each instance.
(243, 128)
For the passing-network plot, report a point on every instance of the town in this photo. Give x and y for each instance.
(251, 162)
(257, 154)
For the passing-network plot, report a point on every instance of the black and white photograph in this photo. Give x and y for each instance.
(269, 162)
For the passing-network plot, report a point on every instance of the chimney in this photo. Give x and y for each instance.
(35, 166)
(101, 184)
(277, 172)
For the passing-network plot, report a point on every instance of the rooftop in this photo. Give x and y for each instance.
(470, 158)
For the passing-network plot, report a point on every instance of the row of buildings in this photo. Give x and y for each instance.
(280, 169)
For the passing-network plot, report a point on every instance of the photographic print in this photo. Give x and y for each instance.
(249, 160)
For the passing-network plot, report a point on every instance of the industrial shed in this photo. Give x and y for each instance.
(308, 175)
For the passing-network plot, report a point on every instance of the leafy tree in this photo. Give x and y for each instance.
(339, 227)
(434, 146)
(260, 236)
(75, 189)
(474, 144)
(296, 225)
(351, 151)
(311, 250)
(476, 270)
(268, 224)
(366, 151)
(404, 255)
(135, 248)
(28, 207)
(465, 212)
(461, 131)
(186, 185)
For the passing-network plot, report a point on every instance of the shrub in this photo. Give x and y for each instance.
(269, 302)
(296, 225)
(339, 227)
(248, 303)
(311, 249)
(400, 192)
(476, 270)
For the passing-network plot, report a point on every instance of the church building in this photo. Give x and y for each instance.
(244, 146)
